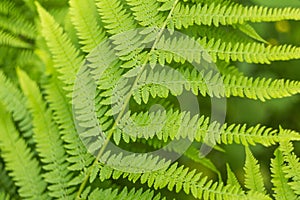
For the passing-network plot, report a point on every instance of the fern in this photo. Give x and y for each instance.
(14, 102)
(84, 20)
(94, 107)
(49, 145)
(19, 160)
(253, 176)
(228, 14)
(160, 82)
(65, 55)
(281, 187)
(181, 125)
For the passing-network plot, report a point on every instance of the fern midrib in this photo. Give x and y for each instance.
(109, 135)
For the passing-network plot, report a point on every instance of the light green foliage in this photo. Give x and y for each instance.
(80, 75)
(24, 168)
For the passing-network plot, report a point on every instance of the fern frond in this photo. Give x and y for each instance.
(65, 56)
(132, 194)
(192, 153)
(175, 125)
(253, 177)
(115, 16)
(15, 102)
(292, 166)
(83, 15)
(228, 14)
(48, 142)
(250, 31)
(231, 178)
(281, 188)
(62, 111)
(160, 82)
(179, 178)
(12, 40)
(20, 161)
(184, 48)
(146, 12)
(121, 24)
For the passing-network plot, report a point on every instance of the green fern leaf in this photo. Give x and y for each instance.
(292, 165)
(48, 142)
(61, 108)
(15, 102)
(184, 48)
(65, 56)
(282, 189)
(160, 82)
(180, 178)
(231, 178)
(253, 177)
(175, 125)
(116, 18)
(84, 19)
(228, 14)
(19, 159)
(12, 40)
(147, 12)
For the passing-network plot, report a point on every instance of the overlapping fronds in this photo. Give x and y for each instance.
(20, 161)
(177, 178)
(292, 165)
(65, 56)
(281, 188)
(15, 102)
(99, 71)
(48, 142)
(176, 125)
(62, 114)
(88, 30)
(12, 40)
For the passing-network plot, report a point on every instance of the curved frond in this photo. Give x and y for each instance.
(20, 161)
